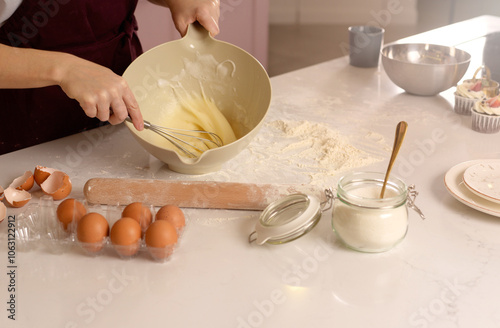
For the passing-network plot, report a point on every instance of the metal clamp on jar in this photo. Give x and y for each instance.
(288, 218)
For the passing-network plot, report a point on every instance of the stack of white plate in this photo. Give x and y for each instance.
(476, 184)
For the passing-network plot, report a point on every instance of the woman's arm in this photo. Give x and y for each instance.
(96, 88)
(185, 12)
(28, 68)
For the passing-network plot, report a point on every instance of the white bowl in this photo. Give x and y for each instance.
(231, 77)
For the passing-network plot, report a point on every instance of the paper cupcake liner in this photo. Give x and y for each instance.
(485, 123)
(463, 105)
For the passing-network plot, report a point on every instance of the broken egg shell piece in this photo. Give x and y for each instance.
(24, 182)
(16, 197)
(57, 185)
(42, 173)
(3, 212)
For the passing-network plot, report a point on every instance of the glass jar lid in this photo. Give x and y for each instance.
(287, 219)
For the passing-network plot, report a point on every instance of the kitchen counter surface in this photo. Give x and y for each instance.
(444, 274)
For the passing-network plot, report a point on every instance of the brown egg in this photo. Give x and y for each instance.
(91, 230)
(172, 214)
(70, 210)
(125, 235)
(161, 238)
(139, 212)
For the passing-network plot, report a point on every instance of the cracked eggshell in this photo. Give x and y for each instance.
(3, 212)
(42, 173)
(17, 198)
(58, 185)
(24, 182)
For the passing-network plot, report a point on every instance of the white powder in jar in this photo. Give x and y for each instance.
(370, 229)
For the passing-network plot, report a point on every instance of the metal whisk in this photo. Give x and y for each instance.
(182, 139)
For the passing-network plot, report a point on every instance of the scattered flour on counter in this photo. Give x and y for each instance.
(313, 148)
(328, 147)
(208, 221)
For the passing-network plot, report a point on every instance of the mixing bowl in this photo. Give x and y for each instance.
(199, 66)
(424, 69)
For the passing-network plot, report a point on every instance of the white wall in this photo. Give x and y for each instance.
(363, 11)
(343, 11)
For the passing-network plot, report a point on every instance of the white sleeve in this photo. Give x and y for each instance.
(7, 8)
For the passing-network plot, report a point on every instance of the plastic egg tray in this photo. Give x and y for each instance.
(38, 227)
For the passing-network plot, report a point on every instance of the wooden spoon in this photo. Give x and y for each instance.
(398, 141)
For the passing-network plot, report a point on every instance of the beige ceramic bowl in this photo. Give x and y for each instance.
(199, 64)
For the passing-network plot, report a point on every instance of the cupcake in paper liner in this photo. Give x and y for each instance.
(472, 90)
(467, 94)
(486, 115)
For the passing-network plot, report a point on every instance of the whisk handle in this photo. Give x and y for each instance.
(147, 124)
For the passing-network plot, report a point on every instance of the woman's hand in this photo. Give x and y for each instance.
(185, 12)
(100, 92)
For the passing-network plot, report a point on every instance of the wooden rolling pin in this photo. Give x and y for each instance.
(194, 194)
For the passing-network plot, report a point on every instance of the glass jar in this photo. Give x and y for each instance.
(364, 221)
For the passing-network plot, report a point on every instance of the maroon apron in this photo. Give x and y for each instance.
(102, 31)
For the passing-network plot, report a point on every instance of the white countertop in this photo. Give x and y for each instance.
(444, 274)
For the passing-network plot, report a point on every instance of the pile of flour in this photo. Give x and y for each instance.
(310, 148)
